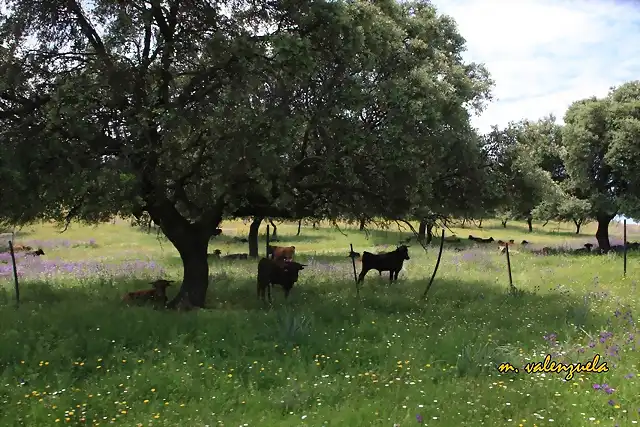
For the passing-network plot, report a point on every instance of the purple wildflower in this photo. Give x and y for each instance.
(419, 418)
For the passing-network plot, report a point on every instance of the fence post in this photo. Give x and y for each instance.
(624, 273)
(353, 262)
(267, 240)
(433, 276)
(506, 249)
(15, 272)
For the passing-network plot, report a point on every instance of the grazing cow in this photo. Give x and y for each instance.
(37, 252)
(157, 294)
(389, 261)
(276, 272)
(282, 252)
(524, 242)
(236, 256)
(21, 248)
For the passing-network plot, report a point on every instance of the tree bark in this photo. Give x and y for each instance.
(274, 235)
(578, 224)
(530, 223)
(195, 279)
(602, 233)
(429, 232)
(299, 226)
(192, 242)
(422, 230)
(253, 236)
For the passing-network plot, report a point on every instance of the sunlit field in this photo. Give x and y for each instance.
(73, 354)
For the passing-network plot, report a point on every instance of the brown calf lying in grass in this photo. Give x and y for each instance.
(157, 294)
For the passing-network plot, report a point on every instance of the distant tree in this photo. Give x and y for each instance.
(521, 184)
(601, 139)
(198, 111)
(565, 208)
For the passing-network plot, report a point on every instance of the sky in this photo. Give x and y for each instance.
(545, 54)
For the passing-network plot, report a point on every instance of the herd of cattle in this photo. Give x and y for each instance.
(279, 268)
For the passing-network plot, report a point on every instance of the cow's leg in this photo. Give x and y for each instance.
(362, 274)
(269, 292)
(390, 275)
(396, 275)
(286, 293)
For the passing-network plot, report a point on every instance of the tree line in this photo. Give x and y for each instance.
(193, 112)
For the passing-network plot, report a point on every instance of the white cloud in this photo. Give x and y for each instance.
(545, 54)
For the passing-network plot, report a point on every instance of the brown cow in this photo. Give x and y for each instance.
(157, 294)
(282, 252)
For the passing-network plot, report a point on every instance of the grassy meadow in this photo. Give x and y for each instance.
(73, 354)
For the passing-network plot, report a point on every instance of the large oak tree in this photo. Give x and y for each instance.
(192, 111)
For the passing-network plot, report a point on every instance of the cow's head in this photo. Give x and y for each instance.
(403, 250)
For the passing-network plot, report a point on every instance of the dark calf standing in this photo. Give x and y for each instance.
(157, 294)
(390, 261)
(283, 273)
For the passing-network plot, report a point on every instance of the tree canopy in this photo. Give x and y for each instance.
(193, 111)
(601, 140)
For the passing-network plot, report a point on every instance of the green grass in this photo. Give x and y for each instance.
(73, 354)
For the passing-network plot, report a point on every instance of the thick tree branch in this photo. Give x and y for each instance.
(89, 32)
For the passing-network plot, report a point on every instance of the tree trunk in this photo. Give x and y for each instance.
(480, 223)
(504, 223)
(602, 233)
(253, 236)
(530, 223)
(464, 222)
(274, 235)
(578, 224)
(195, 279)
(363, 222)
(192, 242)
(299, 226)
(422, 230)
(429, 232)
